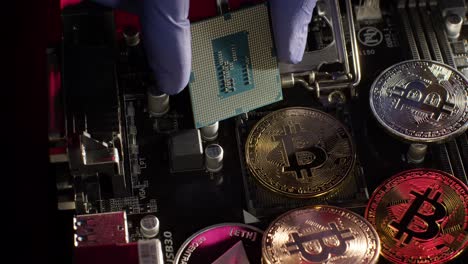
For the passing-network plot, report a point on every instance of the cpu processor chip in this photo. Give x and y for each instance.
(234, 65)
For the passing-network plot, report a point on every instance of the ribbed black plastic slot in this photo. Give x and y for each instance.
(442, 158)
(456, 160)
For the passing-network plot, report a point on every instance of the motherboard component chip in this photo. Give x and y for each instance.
(186, 151)
(234, 66)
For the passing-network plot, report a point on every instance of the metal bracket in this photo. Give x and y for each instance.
(308, 74)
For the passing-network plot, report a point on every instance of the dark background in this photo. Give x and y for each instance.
(33, 190)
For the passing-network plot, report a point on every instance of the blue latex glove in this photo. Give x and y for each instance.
(166, 35)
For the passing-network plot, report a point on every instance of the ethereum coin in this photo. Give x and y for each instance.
(221, 244)
(421, 101)
(421, 216)
(320, 234)
(299, 152)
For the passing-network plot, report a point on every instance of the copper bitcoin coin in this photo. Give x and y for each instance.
(421, 216)
(320, 234)
(299, 152)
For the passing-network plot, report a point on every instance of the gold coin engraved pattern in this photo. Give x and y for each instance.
(421, 216)
(299, 152)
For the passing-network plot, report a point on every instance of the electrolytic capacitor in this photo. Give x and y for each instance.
(158, 104)
(416, 153)
(210, 132)
(131, 36)
(214, 157)
(453, 25)
(149, 226)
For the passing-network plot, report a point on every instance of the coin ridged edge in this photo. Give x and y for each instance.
(363, 219)
(190, 238)
(448, 175)
(405, 137)
(287, 194)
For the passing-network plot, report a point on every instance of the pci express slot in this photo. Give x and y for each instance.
(462, 142)
(408, 30)
(457, 160)
(453, 148)
(429, 30)
(443, 160)
(418, 29)
(421, 31)
(425, 33)
(453, 155)
(438, 25)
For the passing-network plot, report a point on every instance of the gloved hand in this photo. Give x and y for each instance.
(166, 35)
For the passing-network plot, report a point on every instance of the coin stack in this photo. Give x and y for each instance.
(300, 152)
(421, 216)
(320, 234)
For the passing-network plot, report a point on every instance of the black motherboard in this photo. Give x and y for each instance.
(135, 163)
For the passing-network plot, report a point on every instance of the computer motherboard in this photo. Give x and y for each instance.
(245, 164)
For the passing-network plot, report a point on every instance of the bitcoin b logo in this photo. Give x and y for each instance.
(432, 99)
(313, 247)
(419, 221)
(301, 157)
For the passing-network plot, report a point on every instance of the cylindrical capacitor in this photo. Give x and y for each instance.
(287, 80)
(416, 153)
(131, 36)
(453, 25)
(214, 157)
(210, 132)
(158, 104)
(149, 226)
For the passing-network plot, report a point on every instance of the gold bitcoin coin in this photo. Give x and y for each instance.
(421, 216)
(299, 152)
(320, 234)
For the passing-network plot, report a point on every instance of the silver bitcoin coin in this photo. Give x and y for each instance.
(421, 101)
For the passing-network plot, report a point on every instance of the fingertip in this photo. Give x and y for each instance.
(171, 83)
(295, 59)
(290, 21)
(166, 35)
(290, 56)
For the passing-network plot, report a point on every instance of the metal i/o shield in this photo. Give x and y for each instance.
(234, 66)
